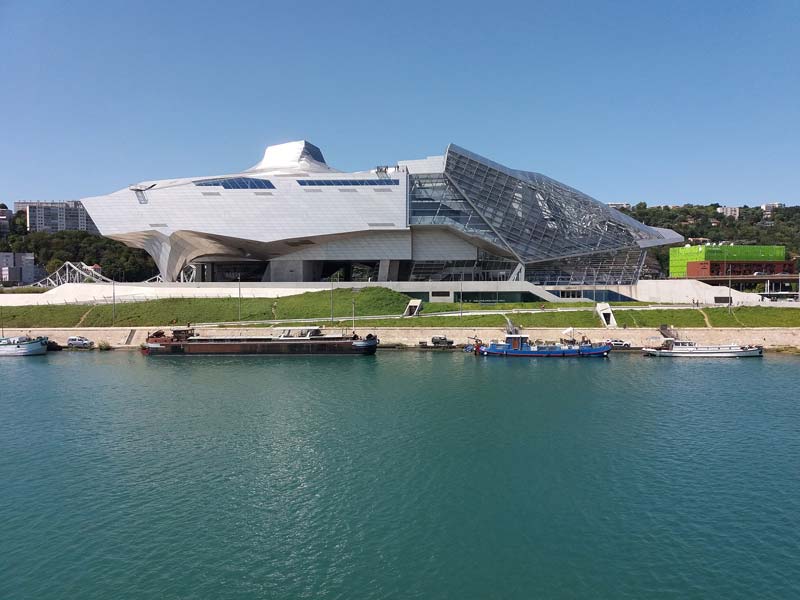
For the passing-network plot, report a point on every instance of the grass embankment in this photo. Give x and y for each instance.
(23, 290)
(578, 318)
(312, 305)
(374, 302)
(369, 301)
(655, 318)
(23, 317)
(437, 307)
(754, 316)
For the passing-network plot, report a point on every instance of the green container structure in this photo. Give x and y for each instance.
(678, 257)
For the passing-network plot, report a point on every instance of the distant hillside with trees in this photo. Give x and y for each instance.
(693, 221)
(51, 250)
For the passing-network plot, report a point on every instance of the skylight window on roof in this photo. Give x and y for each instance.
(237, 183)
(347, 182)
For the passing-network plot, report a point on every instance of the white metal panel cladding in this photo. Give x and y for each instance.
(439, 244)
(370, 245)
(288, 213)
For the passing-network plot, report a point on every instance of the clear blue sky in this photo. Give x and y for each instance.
(663, 102)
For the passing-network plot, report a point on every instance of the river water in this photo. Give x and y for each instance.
(404, 475)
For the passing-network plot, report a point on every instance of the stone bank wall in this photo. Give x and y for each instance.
(769, 337)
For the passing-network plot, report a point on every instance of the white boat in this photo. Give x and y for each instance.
(22, 346)
(673, 347)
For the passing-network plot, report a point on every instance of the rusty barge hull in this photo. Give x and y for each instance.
(261, 348)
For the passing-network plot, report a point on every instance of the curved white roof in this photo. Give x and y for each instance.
(292, 156)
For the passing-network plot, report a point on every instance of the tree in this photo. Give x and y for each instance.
(695, 221)
(53, 265)
(53, 249)
(19, 223)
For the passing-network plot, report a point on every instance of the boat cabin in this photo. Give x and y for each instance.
(516, 340)
(670, 343)
(306, 333)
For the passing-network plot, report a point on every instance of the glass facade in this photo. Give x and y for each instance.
(487, 267)
(538, 217)
(612, 268)
(559, 234)
(433, 200)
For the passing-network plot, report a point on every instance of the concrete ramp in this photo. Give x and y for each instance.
(606, 315)
(689, 291)
(413, 308)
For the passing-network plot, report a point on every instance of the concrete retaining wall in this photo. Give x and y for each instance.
(769, 337)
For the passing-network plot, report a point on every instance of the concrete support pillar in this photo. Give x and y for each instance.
(388, 270)
(295, 270)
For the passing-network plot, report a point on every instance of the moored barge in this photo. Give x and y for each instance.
(684, 348)
(309, 340)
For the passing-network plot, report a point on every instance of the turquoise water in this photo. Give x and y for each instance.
(405, 475)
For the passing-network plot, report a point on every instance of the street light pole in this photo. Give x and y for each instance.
(239, 281)
(730, 291)
(113, 302)
(461, 298)
(331, 298)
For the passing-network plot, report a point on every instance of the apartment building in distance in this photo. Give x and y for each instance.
(51, 217)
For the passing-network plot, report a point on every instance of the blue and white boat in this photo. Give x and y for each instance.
(517, 344)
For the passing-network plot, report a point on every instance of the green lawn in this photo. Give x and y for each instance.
(720, 317)
(311, 305)
(369, 301)
(754, 316)
(576, 318)
(178, 311)
(437, 307)
(42, 316)
(583, 318)
(470, 320)
(23, 290)
(688, 317)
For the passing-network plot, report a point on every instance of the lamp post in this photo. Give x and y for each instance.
(239, 283)
(331, 298)
(113, 302)
(461, 297)
(730, 291)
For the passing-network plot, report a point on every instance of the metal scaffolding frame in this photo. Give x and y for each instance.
(71, 272)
